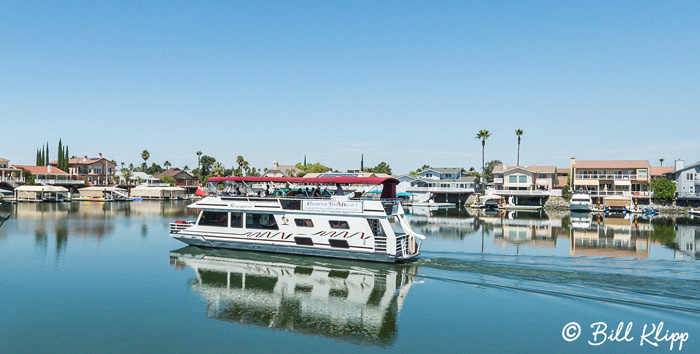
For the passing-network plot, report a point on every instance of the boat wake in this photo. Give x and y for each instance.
(669, 285)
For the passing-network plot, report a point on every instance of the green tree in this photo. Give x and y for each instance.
(663, 189)
(59, 160)
(489, 167)
(382, 167)
(145, 155)
(28, 177)
(218, 169)
(154, 169)
(47, 156)
(661, 161)
(126, 175)
(206, 161)
(166, 164)
(313, 168)
(186, 168)
(482, 135)
(518, 132)
(168, 179)
(362, 163)
(566, 190)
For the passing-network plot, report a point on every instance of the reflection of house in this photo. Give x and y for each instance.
(278, 170)
(613, 178)
(687, 180)
(10, 175)
(612, 237)
(687, 241)
(340, 300)
(95, 171)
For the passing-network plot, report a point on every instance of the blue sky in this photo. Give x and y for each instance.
(403, 82)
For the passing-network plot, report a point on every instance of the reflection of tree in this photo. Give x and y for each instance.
(40, 237)
(144, 230)
(664, 230)
(61, 236)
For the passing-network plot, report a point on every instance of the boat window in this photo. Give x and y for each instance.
(338, 224)
(304, 222)
(236, 219)
(376, 227)
(338, 243)
(214, 218)
(261, 221)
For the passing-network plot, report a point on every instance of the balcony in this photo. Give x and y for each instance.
(12, 179)
(620, 193)
(614, 177)
(59, 181)
(528, 193)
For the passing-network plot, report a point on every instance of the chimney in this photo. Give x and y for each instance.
(49, 168)
(85, 158)
(275, 165)
(680, 164)
(99, 155)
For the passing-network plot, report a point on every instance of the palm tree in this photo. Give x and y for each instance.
(166, 164)
(186, 168)
(483, 134)
(242, 163)
(661, 160)
(518, 132)
(199, 161)
(218, 169)
(145, 155)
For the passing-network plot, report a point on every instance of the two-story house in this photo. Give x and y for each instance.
(182, 179)
(9, 175)
(626, 178)
(48, 175)
(687, 180)
(525, 185)
(95, 171)
(445, 184)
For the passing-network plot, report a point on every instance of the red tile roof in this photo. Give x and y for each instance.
(41, 170)
(537, 169)
(659, 171)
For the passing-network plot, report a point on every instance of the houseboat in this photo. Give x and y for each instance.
(329, 224)
(103, 194)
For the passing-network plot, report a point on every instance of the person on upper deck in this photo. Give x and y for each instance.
(339, 189)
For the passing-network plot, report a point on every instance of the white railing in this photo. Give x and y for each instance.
(147, 184)
(12, 179)
(536, 193)
(622, 193)
(59, 181)
(608, 176)
(498, 180)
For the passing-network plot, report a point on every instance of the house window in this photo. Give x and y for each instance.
(304, 222)
(522, 179)
(513, 179)
(261, 221)
(339, 224)
(541, 175)
(214, 218)
(643, 173)
(689, 176)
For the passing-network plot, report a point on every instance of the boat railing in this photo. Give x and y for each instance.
(179, 225)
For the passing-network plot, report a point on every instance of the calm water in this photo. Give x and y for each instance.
(106, 277)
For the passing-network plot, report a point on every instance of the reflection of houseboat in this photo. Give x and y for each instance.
(612, 237)
(322, 225)
(335, 299)
(103, 194)
(39, 194)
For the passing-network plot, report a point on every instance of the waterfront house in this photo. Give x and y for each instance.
(182, 178)
(278, 170)
(607, 178)
(50, 175)
(451, 185)
(525, 185)
(656, 172)
(95, 171)
(687, 180)
(136, 178)
(9, 175)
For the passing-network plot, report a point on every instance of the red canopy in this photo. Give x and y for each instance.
(200, 193)
(388, 190)
(324, 180)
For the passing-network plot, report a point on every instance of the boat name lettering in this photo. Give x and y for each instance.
(332, 206)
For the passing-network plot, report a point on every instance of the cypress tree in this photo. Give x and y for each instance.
(41, 158)
(46, 160)
(59, 157)
(38, 156)
(362, 163)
